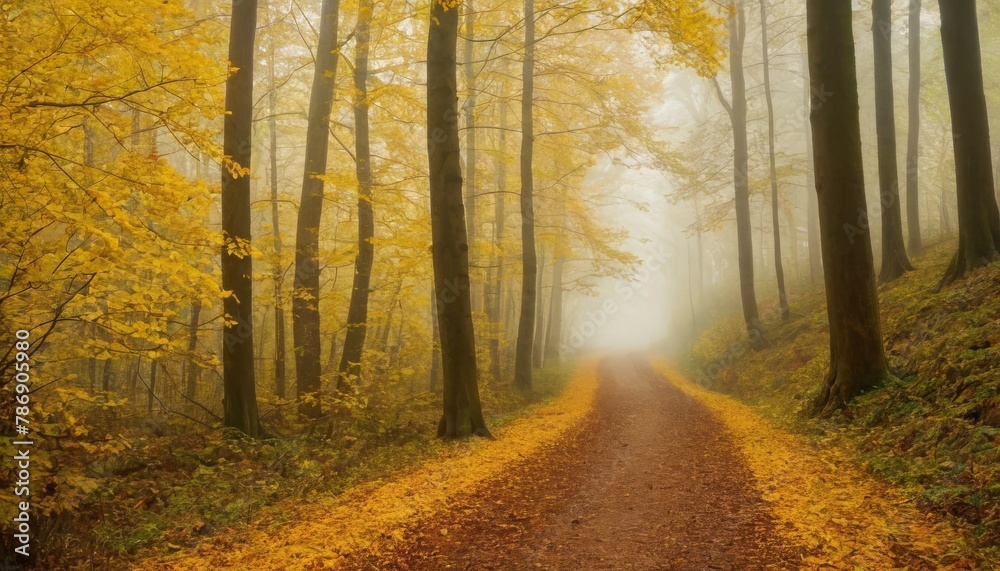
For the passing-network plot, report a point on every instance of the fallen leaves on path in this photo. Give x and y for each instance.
(844, 516)
(323, 532)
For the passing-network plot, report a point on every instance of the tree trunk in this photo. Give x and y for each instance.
(239, 382)
(450, 246)
(895, 263)
(357, 315)
(812, 222)
(151, 387)
(305, 302)
(470, 144)
(857, 357)
(978, 219)
(276, 271)
(554, 335)
(499, 216)
(529, 264)
(744, 226)
(775, 206)
(914, 247)
(538, 345)
(436, 342)
(191, 374)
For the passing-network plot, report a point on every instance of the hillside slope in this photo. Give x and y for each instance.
(934, 430)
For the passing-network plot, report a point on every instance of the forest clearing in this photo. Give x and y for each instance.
(499, 284)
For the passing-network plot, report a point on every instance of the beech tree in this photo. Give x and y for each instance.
(357, 314)
(240, 400)
(523, 358)
(737, 111)
(894, 260)
(978, 219)
(305, 302)
(772, 163)
(450, 245)
(857, 356)
(914, 245)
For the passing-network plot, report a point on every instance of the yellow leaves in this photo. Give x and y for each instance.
(845, 517)
(373, 515)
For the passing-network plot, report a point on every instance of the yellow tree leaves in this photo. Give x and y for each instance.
(99, 227)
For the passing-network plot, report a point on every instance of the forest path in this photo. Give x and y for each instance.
(652, 481)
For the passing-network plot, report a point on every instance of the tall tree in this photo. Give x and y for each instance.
(773, 173)
(553, 337)
(529, 262)
(238, 380)
(857, 356)
(978, 219)
(538, 345)
(499, 219)
(277, 272)
(450, 244)
(469, 66)
(305, 302)
(812, 216)
(914, 246)
(744, 229)
(895, 263)
(357, 315)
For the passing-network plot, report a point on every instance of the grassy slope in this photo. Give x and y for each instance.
(935, 430)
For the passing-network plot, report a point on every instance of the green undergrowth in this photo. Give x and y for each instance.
(168, 491)
(934, 430)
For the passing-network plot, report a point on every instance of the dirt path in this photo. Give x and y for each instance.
(651, 481)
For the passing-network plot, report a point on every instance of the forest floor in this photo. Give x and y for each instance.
(633, 467)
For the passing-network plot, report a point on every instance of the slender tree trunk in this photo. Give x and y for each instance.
(857, 357)
(239, 382)
(978, 218)
(357, 315)
(331, 356)
(775, 206)
(436, 341)
(276, 271)
(529, 263)
(554, 335)
(499, 216)
(191, 373)
(914, 247)
(151, 388)
(470, 145)
(305, 302)
(812, 221)
(744, 225)
(895, 263)
(387, 328)
(538, 345)
(106, 376)
(450, 242)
